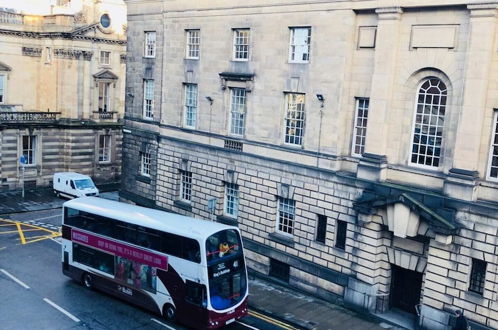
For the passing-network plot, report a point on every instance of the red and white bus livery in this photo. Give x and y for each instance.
(188, 270)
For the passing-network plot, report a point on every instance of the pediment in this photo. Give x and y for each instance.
(94, 30)
(5, 67)
(105, 74)
(408, 215)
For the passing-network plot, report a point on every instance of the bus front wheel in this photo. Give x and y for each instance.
(87, 280)
(169, 312)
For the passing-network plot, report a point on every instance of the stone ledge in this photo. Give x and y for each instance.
(183, 205)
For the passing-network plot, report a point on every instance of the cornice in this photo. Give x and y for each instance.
(59, 35)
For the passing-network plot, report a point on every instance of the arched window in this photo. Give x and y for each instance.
(429, 122)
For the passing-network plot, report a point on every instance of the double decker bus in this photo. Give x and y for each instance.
(190, 271)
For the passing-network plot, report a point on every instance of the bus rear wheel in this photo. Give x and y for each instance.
(87, 280)
(169, 312)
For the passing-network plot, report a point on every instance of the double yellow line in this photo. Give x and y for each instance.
(271, 320)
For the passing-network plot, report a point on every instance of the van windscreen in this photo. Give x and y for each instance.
(84, 183)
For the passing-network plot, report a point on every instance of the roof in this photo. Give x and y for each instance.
(72, 175)
(149, 218)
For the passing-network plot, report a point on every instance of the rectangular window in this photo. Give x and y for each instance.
(477, 276)
(493, 152)
(104, 148)
(241, 44)
(148, 99)
(237, 110)
(185, 186)
(145, 161)
(360, 126)
(321, 228)
(2, 88)
(105, 57)
(286, 214)
(104, 99)
(150, 44)
(300, 39)
(193, 44)
(340, 235)
(190, 106)
(231, 206)
(29, 149)
(294, 118)
(93, 258)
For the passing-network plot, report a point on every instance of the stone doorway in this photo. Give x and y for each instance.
(405, 289)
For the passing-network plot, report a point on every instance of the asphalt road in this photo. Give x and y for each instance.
(36, 295)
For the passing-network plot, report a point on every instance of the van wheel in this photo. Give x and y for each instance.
(87, 280)
(169, 313)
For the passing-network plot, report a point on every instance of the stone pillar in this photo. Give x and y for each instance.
(373, 164)
(461, 182)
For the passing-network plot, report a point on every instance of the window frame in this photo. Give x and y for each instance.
(105, 150)
(492, 146)
(235, 50)
(191, 45)
(150, 44)
(414, 124)
(148, 108)
(321, 228)
(477, 265)
(238, 130)
(186, 180)
(364, 118)
(32, 148)
(190, 109)
(341, 235)
(292, 30)
(103, 57)
(281, 226)
(3, 88)
(231, 201)
(288, 137)
(105, 99)
(145, 163)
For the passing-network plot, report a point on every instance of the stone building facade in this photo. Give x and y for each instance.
(354, 143)
(62, 83)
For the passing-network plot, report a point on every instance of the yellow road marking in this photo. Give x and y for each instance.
(21, 230)
(21, 234)
(271, 320)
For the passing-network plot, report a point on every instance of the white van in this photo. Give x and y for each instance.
(71, 185)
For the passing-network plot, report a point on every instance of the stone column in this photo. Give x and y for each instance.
(373, 164)
(462, 177)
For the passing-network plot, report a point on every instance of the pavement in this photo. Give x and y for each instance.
(281, 302)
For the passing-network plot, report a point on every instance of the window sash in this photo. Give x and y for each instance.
(340, 236)
(145, 162)
(286, 215)
(150, 44)
(300, 40)
(360, 126)
(186, 186)
(148, 98)
(29, 149)
(2, 88)
(478, 276)
(427, 141)
(237, 111)
(190, 106)
(294, 119)
(241, 44)
(104, 148)
(493, 151)
(104, 97)
(193, 44)
(231, 204)
(105, 57)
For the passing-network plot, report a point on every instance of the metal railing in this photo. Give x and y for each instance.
(11, 117)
